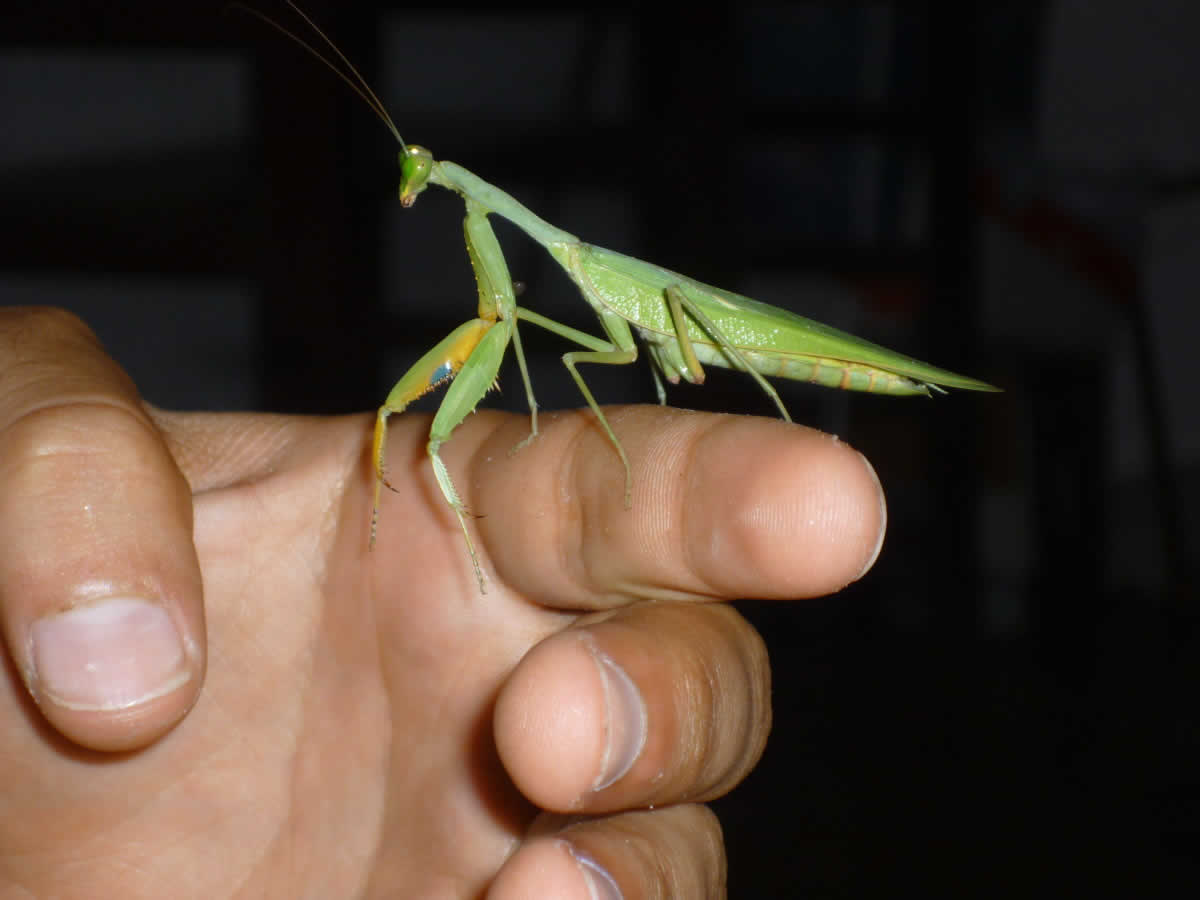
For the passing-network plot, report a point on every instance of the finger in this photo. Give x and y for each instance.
(723, 506)
(100, 591)
(655, 704)
(673, 852)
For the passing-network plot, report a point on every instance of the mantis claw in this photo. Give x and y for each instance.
(523, 443)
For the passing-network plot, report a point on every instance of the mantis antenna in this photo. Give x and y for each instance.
(358, 84)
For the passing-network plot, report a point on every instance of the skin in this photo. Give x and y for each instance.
(345, 724)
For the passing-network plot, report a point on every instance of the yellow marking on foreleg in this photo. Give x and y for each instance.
(439, 365)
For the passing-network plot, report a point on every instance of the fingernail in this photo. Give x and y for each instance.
(882, 519)
(601, 885)
(625, 725)
(108, 655)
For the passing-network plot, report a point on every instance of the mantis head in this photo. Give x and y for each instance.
(416, 165)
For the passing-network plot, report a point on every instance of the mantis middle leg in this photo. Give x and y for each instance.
(619, 350)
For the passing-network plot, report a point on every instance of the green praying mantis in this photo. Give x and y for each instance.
(683, 323)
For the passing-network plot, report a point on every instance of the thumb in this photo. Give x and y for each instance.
(100, 589)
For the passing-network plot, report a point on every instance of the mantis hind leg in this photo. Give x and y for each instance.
(678, 302)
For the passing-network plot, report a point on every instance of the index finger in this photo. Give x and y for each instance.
(723, 506)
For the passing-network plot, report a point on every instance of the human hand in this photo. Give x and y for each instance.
(214, 690)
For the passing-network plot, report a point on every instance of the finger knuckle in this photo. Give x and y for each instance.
(21, 325)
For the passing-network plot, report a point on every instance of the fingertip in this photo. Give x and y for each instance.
(807, 519)
(877, 548)
(675, 851)
(723, 506)
(569, 694)
(547, 703)
(553, 868)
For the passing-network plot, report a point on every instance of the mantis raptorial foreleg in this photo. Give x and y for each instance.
(471, 356)
(497, 292)
(467, 350)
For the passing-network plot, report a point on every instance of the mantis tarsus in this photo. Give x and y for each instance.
(684, 324)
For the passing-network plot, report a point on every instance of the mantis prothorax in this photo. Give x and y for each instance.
(684, 324)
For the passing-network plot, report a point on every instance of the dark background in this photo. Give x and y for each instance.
(1006, 703)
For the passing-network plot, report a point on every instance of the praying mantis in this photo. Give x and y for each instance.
(683, 324)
